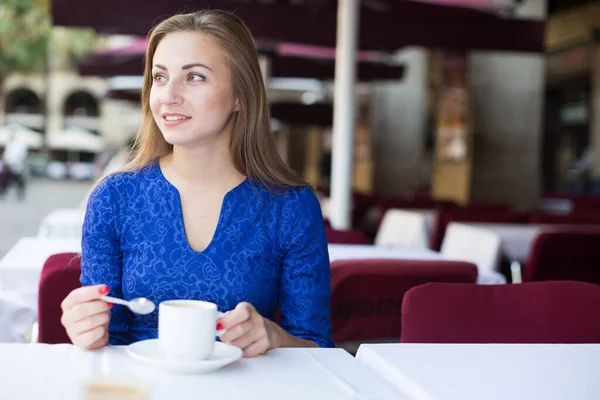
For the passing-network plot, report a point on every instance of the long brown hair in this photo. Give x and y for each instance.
(252, 145)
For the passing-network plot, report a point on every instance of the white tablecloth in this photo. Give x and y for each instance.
(489, 371)
(357, 252)
(21, 267)
(60, 371)
(20, 271)
(62, 223)
(517, 239)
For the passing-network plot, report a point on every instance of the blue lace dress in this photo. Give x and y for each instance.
(268, 249)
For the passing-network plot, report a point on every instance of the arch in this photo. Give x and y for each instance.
(23, 101)
(81, 103)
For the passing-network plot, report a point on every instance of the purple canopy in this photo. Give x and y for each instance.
(384, 24)
(320, 114)
(288, 60)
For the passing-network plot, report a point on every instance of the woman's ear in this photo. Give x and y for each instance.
(236, 105)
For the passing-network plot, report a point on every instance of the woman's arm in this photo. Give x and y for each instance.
(280, 338)
(101, 257)
(305, 289)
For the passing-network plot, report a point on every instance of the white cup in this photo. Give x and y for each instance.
(187, 329)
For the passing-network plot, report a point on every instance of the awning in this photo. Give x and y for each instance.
(33, 138)
(287, 60)
(75, 139)
(385, 25)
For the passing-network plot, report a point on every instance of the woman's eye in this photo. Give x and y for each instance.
(159, 78)
(196, 77)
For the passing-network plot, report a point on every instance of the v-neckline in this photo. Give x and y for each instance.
(179, 210)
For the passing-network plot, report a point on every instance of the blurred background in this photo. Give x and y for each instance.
(464, 102)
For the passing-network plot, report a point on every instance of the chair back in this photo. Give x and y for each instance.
(60, 275)
(352, 236)
(468, 243)
(402, 228)
(367, 295)
(471, 213)
(565, 255)
(538, 312)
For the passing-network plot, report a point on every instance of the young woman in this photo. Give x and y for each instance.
(206, 209)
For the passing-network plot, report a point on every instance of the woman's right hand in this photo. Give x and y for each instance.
(86, 317)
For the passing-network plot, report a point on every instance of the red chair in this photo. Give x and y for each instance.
(572, 255)
(367, 294)
(60, 275)
(568, 219)
(352, 236)
(586, 204)
(540, 312)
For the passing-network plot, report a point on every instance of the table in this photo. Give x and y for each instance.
(49, 372)
(62, 223)
(20, 271)
(517, 239)
(21, 267)
(487, 371)
(358, 252)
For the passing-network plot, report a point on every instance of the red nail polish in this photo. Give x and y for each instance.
(110, 304)
(219, 326)
(104, 290)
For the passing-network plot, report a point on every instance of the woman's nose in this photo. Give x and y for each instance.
(170, 94)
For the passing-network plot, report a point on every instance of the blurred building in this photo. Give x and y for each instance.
(532, 116)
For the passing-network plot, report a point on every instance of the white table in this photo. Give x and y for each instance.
(487, 371)
(60, 372)
(20, 271)
(358, 252)
(21, 267)
(517, 239)
(62, 223)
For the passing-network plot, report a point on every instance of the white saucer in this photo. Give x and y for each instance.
(147, 351)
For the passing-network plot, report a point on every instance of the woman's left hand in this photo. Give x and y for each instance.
(248, 330)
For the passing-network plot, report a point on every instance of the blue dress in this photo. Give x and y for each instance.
(268, 249)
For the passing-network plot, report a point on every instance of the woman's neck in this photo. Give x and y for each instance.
(208, 166)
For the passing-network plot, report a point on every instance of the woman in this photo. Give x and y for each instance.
(206, 209)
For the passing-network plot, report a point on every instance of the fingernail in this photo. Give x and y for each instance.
(104, 290)
(219, 326)
(110, 304)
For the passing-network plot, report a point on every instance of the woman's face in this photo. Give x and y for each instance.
(191, 96)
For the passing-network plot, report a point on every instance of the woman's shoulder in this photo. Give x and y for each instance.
(286, 195)
(293, 205)
(120, 178)
(121, 184)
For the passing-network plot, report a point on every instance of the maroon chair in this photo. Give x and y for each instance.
(60, 275)
(572, 255)
(540, 312)
(362, 203)
(586, 204)
(367, 294)
(568, 219)
(352, 236)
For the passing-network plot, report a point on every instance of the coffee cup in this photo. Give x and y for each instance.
(187, 329)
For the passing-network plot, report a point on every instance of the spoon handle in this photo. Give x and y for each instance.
(114, 300)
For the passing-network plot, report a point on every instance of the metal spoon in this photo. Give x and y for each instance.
(139, 305)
